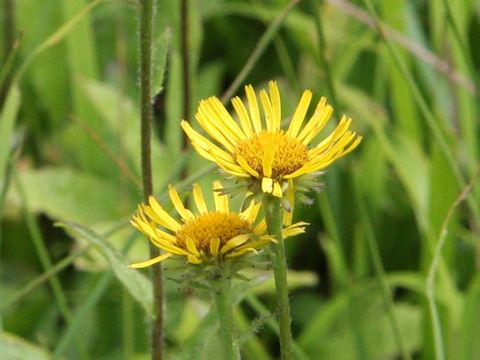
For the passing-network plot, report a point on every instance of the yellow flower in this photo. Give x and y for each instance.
(204, 236)
(259, 149)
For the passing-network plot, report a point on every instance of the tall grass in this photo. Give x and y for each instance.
(388, 267)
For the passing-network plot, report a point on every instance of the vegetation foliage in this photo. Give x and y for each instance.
(388, 266)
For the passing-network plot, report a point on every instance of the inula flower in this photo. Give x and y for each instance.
(204, 236)
(262, 151)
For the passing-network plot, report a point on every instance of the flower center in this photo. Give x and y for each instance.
(212, 225)
(290, 154)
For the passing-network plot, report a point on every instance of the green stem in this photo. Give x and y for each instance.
(146, 20)
(228, 332)
(274, 217)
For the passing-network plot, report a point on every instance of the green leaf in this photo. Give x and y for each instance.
(135, 282)
(7, 122)
(160, 58)
(15, 348)
(64, 193)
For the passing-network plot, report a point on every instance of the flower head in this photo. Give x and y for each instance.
(260, 150)
(204, 236)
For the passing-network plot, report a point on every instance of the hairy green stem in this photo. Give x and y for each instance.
(274, 217)
(146, 20)
(228, 332)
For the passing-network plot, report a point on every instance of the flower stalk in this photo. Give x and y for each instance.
(274, 217)
(145, 30)
(223, 303)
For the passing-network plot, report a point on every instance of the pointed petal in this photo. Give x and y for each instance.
(214, 245)
(276, 105)
(240, 253)
(244, 164)
(234, 242)
(199, 199)
(253, 108)
(177, 202)
(299, 114)
(157, 214)
(242, 116)
(194, 260)
(267, 161)
(267, 109)
(267, 185)
(192, 247)
(251, 212)
(146, 263)
(277, 189)
(221, 201)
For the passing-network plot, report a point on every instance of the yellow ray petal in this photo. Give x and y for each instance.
(199, 199)
(317, 122)
(214, 245)
(242, 116)
(240, 253)
(234, 242)
(276, 105)
(177, 202)
(253, 108)
(295, 229)
(192, 247)
(194, 260)
(228, 165)
(299, 114)
(169, 248)
(200, 143)
(156, 213)
(267, 185)
(277, 189)
(210, 126)
(267, 161)
(229, 123)
(267, 109)
(258, 243)
(261, 228)
(221, 201)
(244, 164)
(251, 212)
(146, 263)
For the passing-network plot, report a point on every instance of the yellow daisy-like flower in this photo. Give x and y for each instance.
(204, 236)
(261, 150)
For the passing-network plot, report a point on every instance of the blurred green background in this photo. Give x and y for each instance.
(377, 275)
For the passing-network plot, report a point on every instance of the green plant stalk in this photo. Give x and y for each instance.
(224, 305)
(380, 272)
(274, 217)
(432, 270)
(146, 28)
(75, 327)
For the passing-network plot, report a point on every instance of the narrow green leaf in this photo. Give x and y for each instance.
(160, 58)
(135, 282)
(7, 124)
(14, 347)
